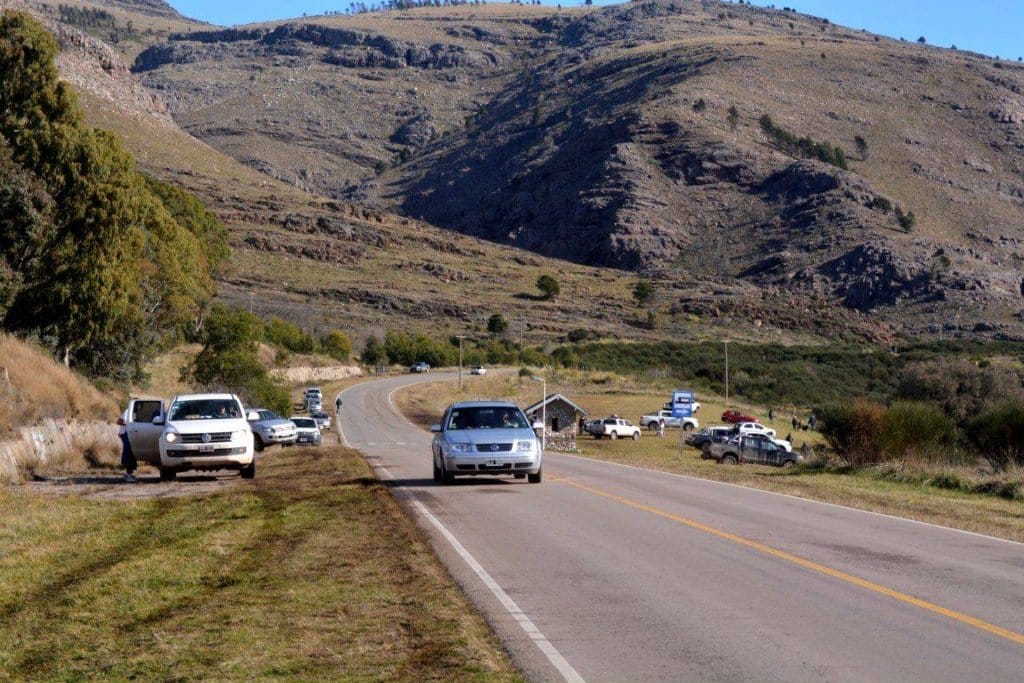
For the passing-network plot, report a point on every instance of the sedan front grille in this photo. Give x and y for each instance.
(493, 447)
(220, 437)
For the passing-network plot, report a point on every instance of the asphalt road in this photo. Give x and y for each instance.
(609, 573)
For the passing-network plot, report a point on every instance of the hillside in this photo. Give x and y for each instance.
(600, 138)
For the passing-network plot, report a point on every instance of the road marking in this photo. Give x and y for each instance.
(810, 501)
(529, 628)
(807, 564)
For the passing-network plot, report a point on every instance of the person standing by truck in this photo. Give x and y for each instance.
(128, 461)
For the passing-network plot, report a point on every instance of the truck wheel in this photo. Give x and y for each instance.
(687, 427)
(613, 436)
(167, 474)
(788, 463)
(249, 471)
(653, 426)
(636, 435)
(258, 444)
(728, 460)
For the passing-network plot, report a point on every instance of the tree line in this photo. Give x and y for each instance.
(99, 262)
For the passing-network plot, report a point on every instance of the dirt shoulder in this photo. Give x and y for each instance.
(309, 572)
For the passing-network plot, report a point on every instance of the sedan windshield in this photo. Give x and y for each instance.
(487, 418)
(205, 409)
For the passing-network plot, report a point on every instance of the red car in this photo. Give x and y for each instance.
(735, 416)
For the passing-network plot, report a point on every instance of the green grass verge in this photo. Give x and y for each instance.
(310, 572)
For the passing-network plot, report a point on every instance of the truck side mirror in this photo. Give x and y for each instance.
(158, 419)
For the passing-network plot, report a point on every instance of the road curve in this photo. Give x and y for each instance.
(610, 573)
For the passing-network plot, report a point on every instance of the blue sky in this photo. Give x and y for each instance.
(994, 27)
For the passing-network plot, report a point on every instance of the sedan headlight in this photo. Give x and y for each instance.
(170, 437)
(460, 447)
(524, 446)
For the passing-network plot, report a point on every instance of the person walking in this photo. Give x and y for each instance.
(661, 428)
(128, 461)
(812, 421)
(771, 416)
(795, 422)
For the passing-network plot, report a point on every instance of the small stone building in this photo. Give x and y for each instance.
(562, 420)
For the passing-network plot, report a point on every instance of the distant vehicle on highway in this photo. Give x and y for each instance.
(734, 416)
(652, 421)
(419, 366)
(486, 437)
(269, 428)
(757, 449)
(613, 427)
(306, 430)
(205, 432)
(323, 420)
(477, 370)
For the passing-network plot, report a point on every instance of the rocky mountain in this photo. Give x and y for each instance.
(690, 141)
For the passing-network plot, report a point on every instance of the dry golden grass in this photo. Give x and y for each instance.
(34, 387)
(310, 572)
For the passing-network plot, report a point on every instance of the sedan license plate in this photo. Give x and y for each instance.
(492, 463)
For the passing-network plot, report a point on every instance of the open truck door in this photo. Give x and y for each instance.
(146, 420)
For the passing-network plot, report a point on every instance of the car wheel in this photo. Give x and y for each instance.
(446, 476)
(687, 427)
(613, 436)
(249, 471)
(437, 470)
(258, 444)
(167, 474)
(728, 460)
(536, 478)
(636, 435)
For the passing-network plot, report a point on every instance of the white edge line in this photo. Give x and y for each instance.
(791, 496)
(529, 628)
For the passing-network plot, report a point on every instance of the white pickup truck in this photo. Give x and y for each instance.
(197, 432)
(665, 417)
(612, 427)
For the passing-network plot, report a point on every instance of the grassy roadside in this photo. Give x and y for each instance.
(309, 572)
(864, 490)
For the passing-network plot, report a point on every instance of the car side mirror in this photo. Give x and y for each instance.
(538, 428)
(252, 416)
(435, 428)
(158, 420)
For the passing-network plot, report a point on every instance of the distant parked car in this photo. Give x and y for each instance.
(613, 427)
(477, 370)
(742, 428)
(704, 438)
(757, 449)
(323, 420)
(306, 431)
(269, 428)
(664, 417)
(419, 366)
(734, 416)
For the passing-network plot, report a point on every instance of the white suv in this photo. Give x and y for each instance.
(754, 428)
(206, 432)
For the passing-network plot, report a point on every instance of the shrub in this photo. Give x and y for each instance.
(906, 220)
(288, 335)
(548, 286)
(497, 324)
(958, 386)
(733, 117)
(373, 352)
(643, 292)
(998, 433)
(912, 428)
(700, 105)
(881, 204)
(336, 345)
(853, 430)
(578, 335)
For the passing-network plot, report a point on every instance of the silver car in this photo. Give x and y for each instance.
(486, 437)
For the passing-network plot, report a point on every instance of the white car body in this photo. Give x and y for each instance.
(754, 428)
(477, 370)
(196, 436)
(306, 430)
(783, 444)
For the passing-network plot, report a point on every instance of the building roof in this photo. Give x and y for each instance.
(555, 397)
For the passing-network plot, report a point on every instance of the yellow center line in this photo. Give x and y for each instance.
(807, 564)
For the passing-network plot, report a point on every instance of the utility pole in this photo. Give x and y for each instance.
(460, 338)
(543, 410)
(726, 343)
